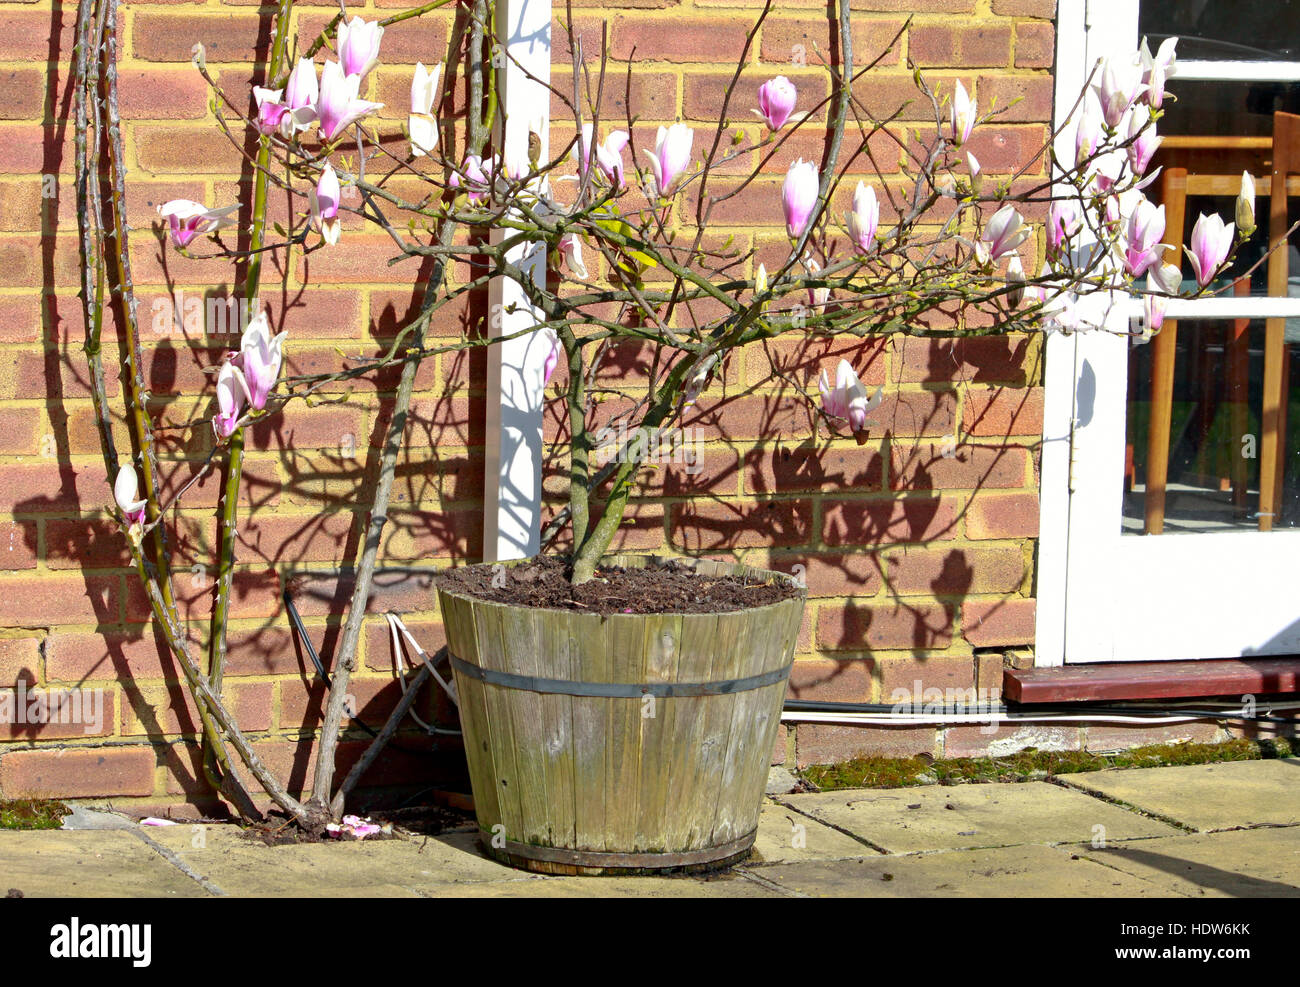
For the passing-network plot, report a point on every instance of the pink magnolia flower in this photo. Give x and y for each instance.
(476, 173)
(1155, 70)
(1163, 282)
(670, 157)
(126, 491)
(609, 154)
(1245, 207)
(1015, 281)
(325, 198)
(259, 358)
(848, 400)
(300, 96)
(1120, 85)
(799, 196)
(1063, 222)
(553, 352)
(964, 113)
(864, 218)
(1142, 233)
(422, 124)
(1211, 242)
(973, 166)
(1153, 310)
(271, 111)
(232, 395)
(1145, 142)
(1004, 233)
(571, 249)
(1087, 135)
(358, 44)
(609, 157)
(776, 99)
(339, 105)
(189, 219)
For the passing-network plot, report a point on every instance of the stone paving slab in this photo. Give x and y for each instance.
(959, 817)
(239, 865)
(786, 835)
(1249, 863)
(1033, 870)
(1205, 797)
(118, 864)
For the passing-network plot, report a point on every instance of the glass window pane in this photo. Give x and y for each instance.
(1225, 30)
(1214, 444)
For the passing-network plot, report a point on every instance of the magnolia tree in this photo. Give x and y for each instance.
(638, 259)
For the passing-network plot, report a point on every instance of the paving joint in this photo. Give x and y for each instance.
(174, 859)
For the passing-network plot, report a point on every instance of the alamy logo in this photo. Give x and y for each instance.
(38, 707)
(104, 940)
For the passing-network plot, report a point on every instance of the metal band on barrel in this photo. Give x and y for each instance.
(606, 858)
(617, 690)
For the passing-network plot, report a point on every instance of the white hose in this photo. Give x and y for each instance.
(896, 719)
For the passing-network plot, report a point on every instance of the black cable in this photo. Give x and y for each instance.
(296, 623)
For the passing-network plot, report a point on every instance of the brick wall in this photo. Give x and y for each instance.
(918, 545)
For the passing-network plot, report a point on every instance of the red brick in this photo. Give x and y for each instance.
(873, 522)
(935, 45)
(1118, 738)
(1035, 46)
(165, 36)
(966, 467)
(847, 574)
(947, 571)
(1002, 515)
(809, 38)
(821, 743)
(985, 623)
(20, 657)
(951, 674)
(87, 544)
(172, 711)
(975, 359)
(857, 627)
(127, 655)
(827, 680)
(782, 469)
(1003, 411)
(702, 525)
(661, 38)
(977, 741)
(77, 773)
(22, 94)
(28, 601)
(1025, 8)
(80, 712)
(17, 545)
(1032, 97)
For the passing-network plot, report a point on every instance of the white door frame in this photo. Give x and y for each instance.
(1084, 418)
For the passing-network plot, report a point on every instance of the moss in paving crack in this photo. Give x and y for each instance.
(31, 814)
(1032, 764)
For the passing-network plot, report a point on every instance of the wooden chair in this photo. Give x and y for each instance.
(1277, 362)
(1213, 166)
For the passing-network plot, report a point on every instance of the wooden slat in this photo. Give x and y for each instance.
(1152, 680)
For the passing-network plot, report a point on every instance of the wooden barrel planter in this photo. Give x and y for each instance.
(621, 743)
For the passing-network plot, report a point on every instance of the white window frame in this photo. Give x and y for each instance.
(1078, 46)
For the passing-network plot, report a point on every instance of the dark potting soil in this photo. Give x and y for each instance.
(671, 588)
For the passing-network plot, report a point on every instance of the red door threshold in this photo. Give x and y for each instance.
(1152, 680)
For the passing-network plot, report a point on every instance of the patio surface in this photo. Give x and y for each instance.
(1224, 830)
